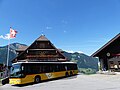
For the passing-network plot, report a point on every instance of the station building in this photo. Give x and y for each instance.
(109, 55)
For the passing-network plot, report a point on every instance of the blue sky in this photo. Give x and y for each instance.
(72, 25)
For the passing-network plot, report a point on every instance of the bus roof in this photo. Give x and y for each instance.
(46, 62)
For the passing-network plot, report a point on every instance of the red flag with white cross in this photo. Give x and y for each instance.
(12, 33)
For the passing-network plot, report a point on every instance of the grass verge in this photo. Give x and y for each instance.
(87, 71)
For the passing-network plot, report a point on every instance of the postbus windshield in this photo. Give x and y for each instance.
(15, 70)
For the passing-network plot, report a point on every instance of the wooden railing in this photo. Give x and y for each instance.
(42, 56)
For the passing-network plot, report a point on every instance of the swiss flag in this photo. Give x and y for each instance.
(12, 33)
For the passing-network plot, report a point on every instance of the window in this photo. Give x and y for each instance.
(15, 70)
(111, 64)
(118, 64)
(42, 45)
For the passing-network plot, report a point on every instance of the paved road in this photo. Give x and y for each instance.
(81, 82)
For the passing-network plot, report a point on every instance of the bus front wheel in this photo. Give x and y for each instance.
(37, 79)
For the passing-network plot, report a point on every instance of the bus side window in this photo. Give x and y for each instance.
(53, 68)
(27, 70)
(47, 68)
(63, 68)
(58, 67)
(68, 67)
(40, 69)
(44, 68)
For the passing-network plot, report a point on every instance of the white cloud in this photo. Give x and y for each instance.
(64, 31)
(64, 22)
(79, 51)
(71, 51)
(6, 37)
(48, 28)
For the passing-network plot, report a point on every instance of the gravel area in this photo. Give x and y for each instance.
(79, 82)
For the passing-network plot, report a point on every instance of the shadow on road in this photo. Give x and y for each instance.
(71, 77)
(28, 84)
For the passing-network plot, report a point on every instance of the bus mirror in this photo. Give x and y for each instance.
(22, 68)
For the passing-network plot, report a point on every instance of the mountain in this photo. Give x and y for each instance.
(12, 51)
(83, 61)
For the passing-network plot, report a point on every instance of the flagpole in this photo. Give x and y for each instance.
(12, 35)
(8, 55)
(8, 52)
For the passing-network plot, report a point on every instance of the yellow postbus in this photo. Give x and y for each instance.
(27, 72)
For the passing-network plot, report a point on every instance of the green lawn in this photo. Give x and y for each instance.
(87, 71)
(0, 82)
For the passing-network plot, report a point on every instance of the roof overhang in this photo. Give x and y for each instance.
(96, 54)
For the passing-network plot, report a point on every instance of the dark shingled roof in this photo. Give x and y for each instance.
(22, 48)
(42, 38)
(106, 45)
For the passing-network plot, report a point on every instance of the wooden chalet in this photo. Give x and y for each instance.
(40, 50)
(109, 55)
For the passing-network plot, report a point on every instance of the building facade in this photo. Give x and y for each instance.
(40, 50)
(109, 55)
